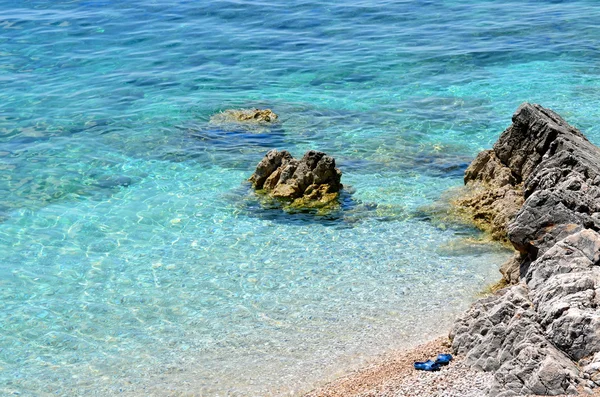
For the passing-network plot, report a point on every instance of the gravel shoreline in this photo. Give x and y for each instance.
(393, 375)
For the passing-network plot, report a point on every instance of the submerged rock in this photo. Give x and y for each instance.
(234, 130)
(535, 335)
(111, 181)
(311, 182)
(253, 116)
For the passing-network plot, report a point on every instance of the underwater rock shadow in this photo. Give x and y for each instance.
(235, 129)
(4, 213)
(431, 164)
(254, 205)
(442, 165)
(248, 203)
(239, 138)
(442, 215)
(45, 189)
(25, 138)
(232, 146)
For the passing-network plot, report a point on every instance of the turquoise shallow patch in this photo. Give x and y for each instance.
(135, 258)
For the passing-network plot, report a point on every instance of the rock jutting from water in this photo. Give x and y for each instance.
(494, 195)
(251, 116)
(311, 182)
(540, 188)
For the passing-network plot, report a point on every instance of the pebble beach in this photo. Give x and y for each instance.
(394, 376)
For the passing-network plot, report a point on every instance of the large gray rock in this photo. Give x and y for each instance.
(536, 334)
(527, 334)
(564, 283)
(561, 173)
(539, 184)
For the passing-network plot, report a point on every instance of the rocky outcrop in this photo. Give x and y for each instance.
(563, 283)
(252, 116)
(561, 179)
(543, 171)
(493, 195)
(311, 182)
(532, 335)
(537, 335)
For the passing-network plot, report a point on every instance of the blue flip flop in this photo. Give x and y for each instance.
(427, 365)
(443, 359)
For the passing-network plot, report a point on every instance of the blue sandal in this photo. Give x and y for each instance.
(427, 365)
(443, 359)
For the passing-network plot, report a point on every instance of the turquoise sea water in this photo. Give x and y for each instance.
(135, 259)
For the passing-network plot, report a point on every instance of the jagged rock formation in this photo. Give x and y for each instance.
(494, 194)
(536, 335)
(253, 116)
(311, 182)
(533, 333)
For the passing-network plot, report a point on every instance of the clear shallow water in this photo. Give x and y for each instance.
(134, 257)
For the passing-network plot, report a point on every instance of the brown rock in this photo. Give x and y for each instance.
(311, 182)
(493, 195)
(245, 116)
(289, 190)
(488, 168)
(317, 196)
(490, 207)
(273, 179)
(269, 164)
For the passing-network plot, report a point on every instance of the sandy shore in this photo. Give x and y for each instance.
(394, 375)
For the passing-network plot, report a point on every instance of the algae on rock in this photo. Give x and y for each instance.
(313, 182)
(252, 116)
(492, 197)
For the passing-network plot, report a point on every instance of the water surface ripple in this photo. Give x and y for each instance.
(135, 259)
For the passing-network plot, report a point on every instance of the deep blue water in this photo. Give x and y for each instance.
(135, 259)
